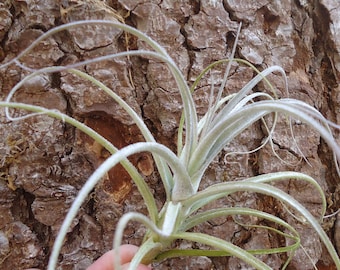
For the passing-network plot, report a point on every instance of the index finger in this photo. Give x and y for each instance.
(106, 261)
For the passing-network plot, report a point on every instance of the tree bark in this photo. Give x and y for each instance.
(45, 162)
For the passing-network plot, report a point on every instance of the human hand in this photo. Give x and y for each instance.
(106, 261)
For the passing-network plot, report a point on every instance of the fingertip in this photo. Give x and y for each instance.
(106, 261)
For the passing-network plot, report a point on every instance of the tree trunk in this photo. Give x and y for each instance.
(44, 162)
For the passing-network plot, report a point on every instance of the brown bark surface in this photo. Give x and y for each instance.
(44, 162)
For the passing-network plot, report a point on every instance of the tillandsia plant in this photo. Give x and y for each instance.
(199, 142)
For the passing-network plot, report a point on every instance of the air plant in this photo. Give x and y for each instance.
(181, 173)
